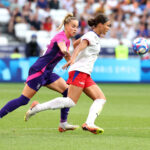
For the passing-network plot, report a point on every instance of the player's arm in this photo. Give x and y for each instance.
(76, 42)
(67, 58)
(63, 48)
(83, 44)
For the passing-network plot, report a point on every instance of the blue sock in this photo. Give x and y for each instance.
(64, 111)
(13, 104)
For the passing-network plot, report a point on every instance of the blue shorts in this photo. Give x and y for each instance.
(42, 80)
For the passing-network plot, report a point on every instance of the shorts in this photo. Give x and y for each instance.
(80, 79)
(42, 80)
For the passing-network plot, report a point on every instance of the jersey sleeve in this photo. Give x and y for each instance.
(89, 37)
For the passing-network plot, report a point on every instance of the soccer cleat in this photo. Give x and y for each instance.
(94, 129)
(29, 113)
(65, 126)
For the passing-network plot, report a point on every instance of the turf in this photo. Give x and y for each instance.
(125, 119)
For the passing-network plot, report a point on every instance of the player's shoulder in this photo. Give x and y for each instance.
(89, 33)
(90, 36)
(59, 36)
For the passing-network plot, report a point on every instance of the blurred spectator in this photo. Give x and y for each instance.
(32, 48)
(82, 22)
(16, 18)
(67, 4)
(47, 25)
(19, 3)
(54, 4)
(142, 4)
(101, 8)
(142, 30)
(34, 22)
(121, 51)
(26, 12)
(42, 4)
(15, 54)
(15, 5)
(118, 31)
(112, 4)
(42, 13)
(88, 10)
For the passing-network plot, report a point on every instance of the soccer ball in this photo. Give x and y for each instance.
(140, 46)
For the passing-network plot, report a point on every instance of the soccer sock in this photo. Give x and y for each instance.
(57, 103)
(13, 104)
(95, 110)
(64, 111)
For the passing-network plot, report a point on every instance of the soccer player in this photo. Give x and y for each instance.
(41, 72)
(81, 65)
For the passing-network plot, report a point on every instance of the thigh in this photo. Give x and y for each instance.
(28, 92)
(59, 85)
(94, 92)
(74, 92)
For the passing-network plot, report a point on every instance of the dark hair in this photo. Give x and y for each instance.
(99, 18)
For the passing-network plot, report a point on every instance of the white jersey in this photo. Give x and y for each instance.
(87, 57)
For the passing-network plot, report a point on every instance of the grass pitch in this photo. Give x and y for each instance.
(125, 119)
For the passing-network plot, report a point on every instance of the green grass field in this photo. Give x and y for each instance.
(125, 119)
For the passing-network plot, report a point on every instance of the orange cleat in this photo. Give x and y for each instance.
(94, 129)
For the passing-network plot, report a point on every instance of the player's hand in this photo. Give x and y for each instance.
(69, 63)
(67, 54)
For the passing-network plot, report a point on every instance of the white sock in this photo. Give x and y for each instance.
(56, 103)
(95, 110)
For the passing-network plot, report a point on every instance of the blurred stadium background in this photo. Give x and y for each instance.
(26, 27)
(21, 20)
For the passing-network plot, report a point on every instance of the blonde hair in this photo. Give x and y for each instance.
(66, 20)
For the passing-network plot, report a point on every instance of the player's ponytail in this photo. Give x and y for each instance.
(66, 20)
(99, 18)
(91, 22)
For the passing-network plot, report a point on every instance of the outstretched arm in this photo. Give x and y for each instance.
(83, 44)
(63, 49)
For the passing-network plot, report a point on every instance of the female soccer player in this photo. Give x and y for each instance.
(41, 72)
(82, 61)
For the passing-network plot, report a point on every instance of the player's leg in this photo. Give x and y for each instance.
(27, 94)
(74, 91)
(95, 93)
(61, 86)
(57, 103)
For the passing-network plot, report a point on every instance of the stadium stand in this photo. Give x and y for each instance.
(20, 19)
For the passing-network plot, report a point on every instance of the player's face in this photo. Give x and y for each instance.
(104, 28)
(72, 27)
